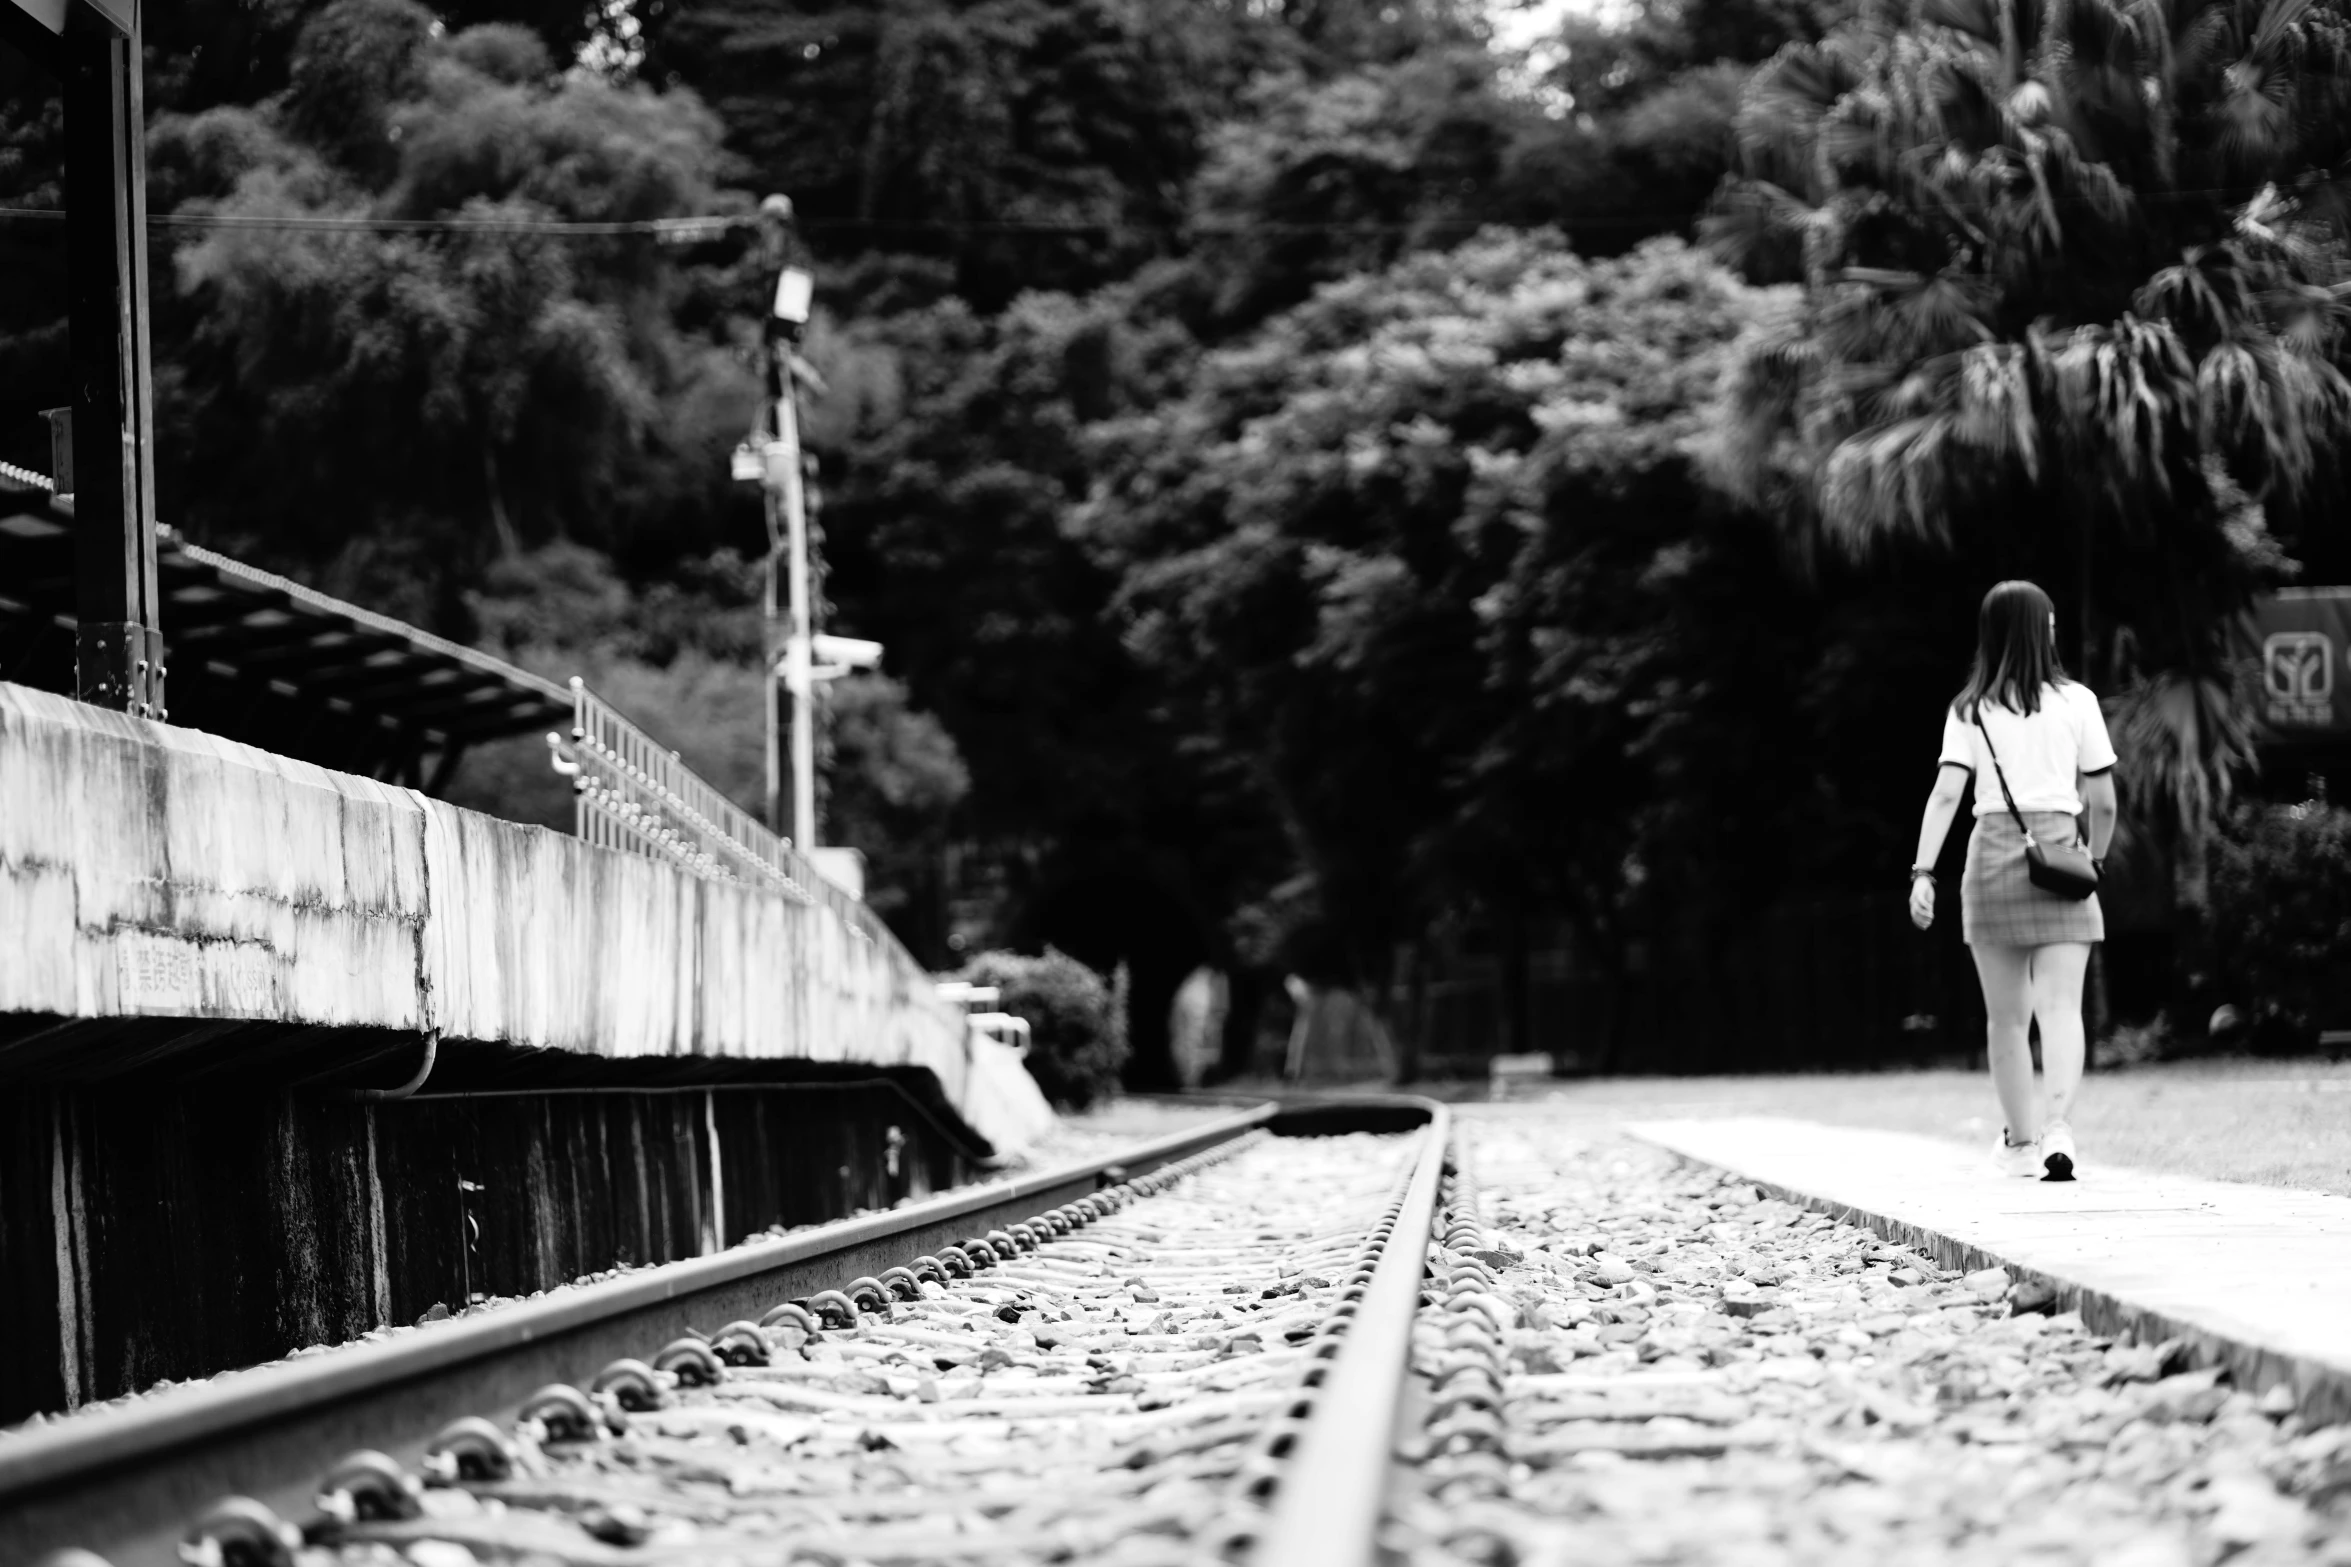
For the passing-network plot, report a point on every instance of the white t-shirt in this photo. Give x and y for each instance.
(2043, 753)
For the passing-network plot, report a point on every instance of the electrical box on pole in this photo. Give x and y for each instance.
(93, 48)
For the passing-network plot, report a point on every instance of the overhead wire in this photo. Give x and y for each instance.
(706, 227)
(695, 229)
(674, 229)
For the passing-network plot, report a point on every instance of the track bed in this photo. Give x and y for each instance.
(1095, 1399)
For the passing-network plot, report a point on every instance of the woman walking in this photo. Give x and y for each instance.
(2035, 743)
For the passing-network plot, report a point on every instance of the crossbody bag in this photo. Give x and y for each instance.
(2065, 870)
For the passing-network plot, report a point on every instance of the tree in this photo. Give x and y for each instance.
(210, 52)
(1645, 166)
(33, 365)
(952, 445)
(2282, 894)
(891, 782)
(1416, 548)
(2075, 302)
(1605, 64)
(563, 28)
(444, 397)
(1331, 175)
(1241, 511)
(1027, 143)
(1327, 177)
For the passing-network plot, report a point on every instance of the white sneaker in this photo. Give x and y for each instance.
(2057, 1152)
(2015, 1158)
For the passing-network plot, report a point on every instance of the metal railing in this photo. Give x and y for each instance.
(631, 793)
(25, 478)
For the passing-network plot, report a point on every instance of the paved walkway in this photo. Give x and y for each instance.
(2255, 1277)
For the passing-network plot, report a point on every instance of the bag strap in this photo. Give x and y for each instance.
(2001, 773)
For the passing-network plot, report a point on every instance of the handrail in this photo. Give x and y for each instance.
(633, 794)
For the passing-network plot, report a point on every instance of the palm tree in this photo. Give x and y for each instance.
(2074, 272)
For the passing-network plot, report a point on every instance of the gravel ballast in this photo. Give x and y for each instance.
(1100, 1134)
(1102, 1398)
(1691, 1371)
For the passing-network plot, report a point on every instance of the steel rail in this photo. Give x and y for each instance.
(125, 1482)
(1333, 1490)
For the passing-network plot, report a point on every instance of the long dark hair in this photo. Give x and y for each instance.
(2015, 651)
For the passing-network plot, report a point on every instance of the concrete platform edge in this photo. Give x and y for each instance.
(2322, 1392)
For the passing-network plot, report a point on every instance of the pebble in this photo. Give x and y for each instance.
(1073, 1139)
(441, 1553)
(1992, 1283)
(1791, 1391)
(1095, 1400)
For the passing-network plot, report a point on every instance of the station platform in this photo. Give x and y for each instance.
(2254, 1278)
(289, 1056)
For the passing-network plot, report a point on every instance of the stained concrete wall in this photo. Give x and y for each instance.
(201, 944)
(152, 872)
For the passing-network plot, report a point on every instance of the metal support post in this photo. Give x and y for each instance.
(119, 649)
(777, 467)
(798, 676)
(771, 699)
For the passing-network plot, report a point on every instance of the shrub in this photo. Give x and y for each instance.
(2281, 918)
(1077, 1020)
(2137, 1044)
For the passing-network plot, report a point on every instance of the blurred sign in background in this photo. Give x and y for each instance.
(2294, 664)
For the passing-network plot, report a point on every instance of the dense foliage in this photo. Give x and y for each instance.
(1298, 465)
(448, 398)
(1353, 552)
(2076, 283)
(2281, 903)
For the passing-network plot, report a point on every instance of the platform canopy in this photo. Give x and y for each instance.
(52, 14)
(257, 658)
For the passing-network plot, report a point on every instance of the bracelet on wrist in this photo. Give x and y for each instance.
(1917, 871)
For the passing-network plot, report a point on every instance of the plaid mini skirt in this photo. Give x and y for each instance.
(1998, 904)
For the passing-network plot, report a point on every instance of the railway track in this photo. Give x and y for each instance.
(1297, 1339)
(1196, 1355)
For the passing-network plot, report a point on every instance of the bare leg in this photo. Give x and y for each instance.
(2008, 1015)
(2057, 973)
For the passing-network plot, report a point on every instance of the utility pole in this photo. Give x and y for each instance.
(801, 629)
(800, 656)
(105, 451)
(768, 695)
(778, 469)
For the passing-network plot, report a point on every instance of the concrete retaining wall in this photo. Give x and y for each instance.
(154, 872)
